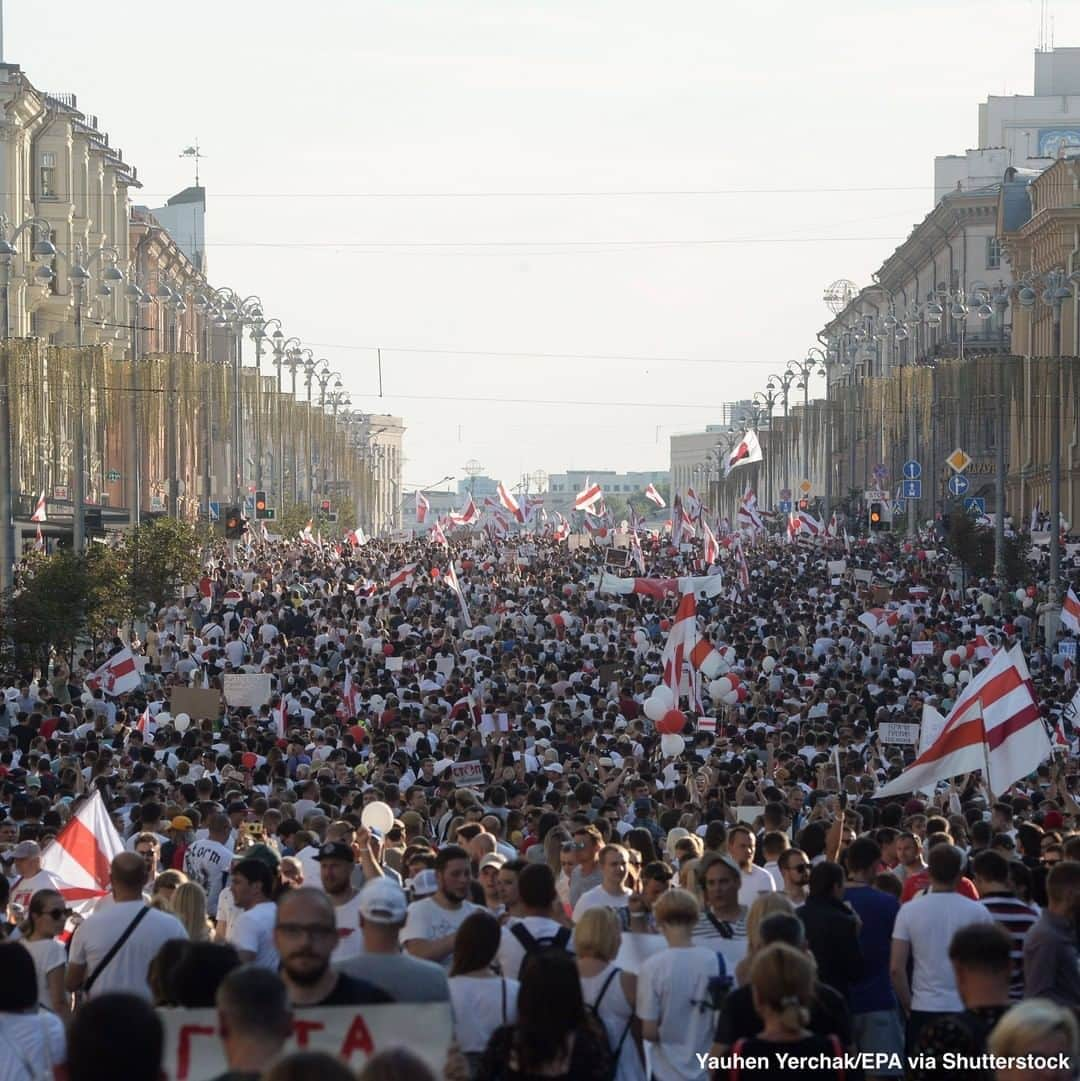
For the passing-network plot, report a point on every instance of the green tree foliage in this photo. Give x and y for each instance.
(972, 545)
(160, 556)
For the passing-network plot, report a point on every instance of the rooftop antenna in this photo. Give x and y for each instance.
(188, 152)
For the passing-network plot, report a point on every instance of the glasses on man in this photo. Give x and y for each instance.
(58, 913)
(799, 868)
(317, 931)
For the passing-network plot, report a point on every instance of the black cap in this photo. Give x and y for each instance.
(336, 850)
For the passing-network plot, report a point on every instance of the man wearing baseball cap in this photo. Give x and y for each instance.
(26, 857)
(383, 907)
(336, 862)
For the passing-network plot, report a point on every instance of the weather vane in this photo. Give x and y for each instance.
(193, 152)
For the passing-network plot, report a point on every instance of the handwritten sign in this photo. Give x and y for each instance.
(922, 649)
(890, 732)
(467, 775)
(193, 1050)
(246, 689)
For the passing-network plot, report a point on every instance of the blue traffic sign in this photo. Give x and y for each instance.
(975, 504)
(785, 506)
(912, 469)
(912, 489)
(959, 484)
(898, 507)
(215, 511)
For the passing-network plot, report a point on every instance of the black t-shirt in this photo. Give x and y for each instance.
(738, 1020)
(351, 991)
(799, 1049)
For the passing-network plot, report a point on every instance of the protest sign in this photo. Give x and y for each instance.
(246, 689)
(444, 666)
(494, 722)
(922, 649)
(891, 732)
(866, 577)
(468, 775)
(749, 814)
(193, 1049)
(197, 703)
(837, 567)
(394, 664)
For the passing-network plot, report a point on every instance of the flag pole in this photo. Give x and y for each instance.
(986, 759)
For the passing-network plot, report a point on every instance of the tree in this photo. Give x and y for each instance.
(160, 557)
(972, 545)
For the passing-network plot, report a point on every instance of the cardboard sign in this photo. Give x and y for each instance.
(578, 540)
(748, 814)
(890, 732)
(866, 577)
(251, 690)
(467, 774)
(491, 723)
(444, 666)
(922, 649)
(881, 595)
(198, 704)
(193, 1050)
(836, 567)
(394, 664)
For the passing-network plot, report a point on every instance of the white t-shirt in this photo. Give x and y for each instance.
(36, 1039)
(48, 954)
(226, 912)
(208, 863)
(512, 952)
(598, 897)
(756, 881)
(350, 940)
(25, 888)
(928, 924)
(478, 1005)
(128, 967)
(428, 920)
(253, 931)
(673, 990)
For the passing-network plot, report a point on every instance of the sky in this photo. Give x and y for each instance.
(573, 227)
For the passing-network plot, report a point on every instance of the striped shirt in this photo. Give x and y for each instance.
(726, 937)
(1017, 918)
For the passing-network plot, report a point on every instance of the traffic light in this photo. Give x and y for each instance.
(877, 516)
(804, 504)
(234, 523)
(324, 509)
(260, 503)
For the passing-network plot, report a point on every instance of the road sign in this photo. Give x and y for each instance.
(975, 503)
(875, 495)
(112, 475)
(215, 511)
(805, 487)
(881, 471)
(898, 507)
(958, 461)
(785, 493)
(912, 469)
(958, 484)
(785, 506)
(61, 492)
(913, 489)
(1067, 647)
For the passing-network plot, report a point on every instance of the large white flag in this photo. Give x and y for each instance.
(118, 675)
(746, 451)
(455, 585)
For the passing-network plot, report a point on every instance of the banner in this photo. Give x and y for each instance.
(467, 774)
(193, 1051)
(246, 689)
(197, 703)
(892, 732)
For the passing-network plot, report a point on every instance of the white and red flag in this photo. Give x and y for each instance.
(1070, 612)
(589, 499)
(81, 856)
(746, 451)
(356, 537)
(654, 496)
(711, 548)
(809, 525)
(39, 541)
(562, 528)
(680, 643)
(306, 536)
(145, 724)
(706, 724)
(437, 536)
(636, 553)
(995, 726)
(509, 502)
(422, 506)
(748, 516)
(744, 570)
(118, 675)
(455, 585)
(403, 577)
(39, 509)
(469, 514)
(707, 585)
(678, 521)
(880, 620)
(692, 504)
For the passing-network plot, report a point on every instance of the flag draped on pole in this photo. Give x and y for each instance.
(455, 585)
(509, 502)
(708, 585)
(654, 496)
(39, 509)
(1070, 612)
(422, 506)
(995, 726)
(636, 553)
(692, 504)
(118, 675)
(711, 547)
(145, 724)
(562, 528)
(437, 536)
(748, 516)
(81, 855)
(678, 521)
(746, 451)
(468, 514)
(589, 499)
(306, 536)
(744, 570)
(680, 643)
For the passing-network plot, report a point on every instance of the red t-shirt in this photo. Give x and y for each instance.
(913, 884)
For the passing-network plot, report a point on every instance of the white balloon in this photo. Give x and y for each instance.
(1020, 594)
(768, 664)
(949, 678)
(672, 744)
(722, 667)
(181, 722)
(965, 677)
(378, 816)
(163, 716)
(1027, 602)
(946, 657)
(723, 685)
(654, 707)
(730, 698)
(716, 689)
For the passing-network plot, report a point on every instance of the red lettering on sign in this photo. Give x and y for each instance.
(303, 1028)
(358, 1038)
(183, 1052)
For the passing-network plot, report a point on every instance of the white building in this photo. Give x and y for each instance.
(574, 481)
(380, 438)
(440, 503)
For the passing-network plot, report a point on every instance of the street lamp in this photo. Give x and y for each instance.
(258, 333)
(782, 384)
(324, 376)
(767, 400)
(284, 348)
(137, 296)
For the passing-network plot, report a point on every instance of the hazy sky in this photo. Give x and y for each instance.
(337, 136)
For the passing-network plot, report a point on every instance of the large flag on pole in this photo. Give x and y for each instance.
(747, 450)
(39, 509)
(455, 585)
(589, 499)
(118, 675)
(995, 726)
(422, 506)
(509, 502)
(680, 642)
(748, 516)
(1070, 612)
(469, 514)
(82, 854)
(652, 494)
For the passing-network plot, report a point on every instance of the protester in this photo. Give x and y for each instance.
(32, 1039)
(45, 921)
(832, 928)
(432, 922)
(254, 1021)
(252, 932)
(115, 1035)
(1043, 1030)
(538, 929)
(1051, 968)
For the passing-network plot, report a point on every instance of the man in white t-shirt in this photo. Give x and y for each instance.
(537, 929)
(127, 969)
(922, 933)
(755, 880)
(612, 891)
(207, 862)
(432, 924)
(252, 932)
(27, 858)
(336, 863)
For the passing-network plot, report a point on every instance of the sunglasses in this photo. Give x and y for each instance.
(58, 913)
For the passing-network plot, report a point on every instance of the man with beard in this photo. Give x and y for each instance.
(305, 935)
(433, 922)
(336, 862)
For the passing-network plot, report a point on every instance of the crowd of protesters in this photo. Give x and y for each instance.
(588, 905)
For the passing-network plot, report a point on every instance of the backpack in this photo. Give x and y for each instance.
(594, 1009)
(530, 943)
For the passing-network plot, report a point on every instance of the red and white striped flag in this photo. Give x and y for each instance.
(455, 585)
(1070, 612)
(652, 494)
(880, 621)
(562, 528)
(403, 577)
(692, 504)
(145, 724)
(744, 570)
(748, 450)
(39, 541)
(281, 719)
(306, 536)
(422, 506)
(588, 499)
(995, 727)
(681, 640)
(708, 585)
(706, 724)
(748, 516)
(39, 510)
(469, 514)
(81, 856)
(437, 536)
(712, 549)
(509, 502)
(118, 675)
(356, 537)
(636, 552)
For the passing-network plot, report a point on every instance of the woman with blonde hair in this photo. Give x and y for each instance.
(164, 888)
(40, 930)
(608, 990)
(1037, 1028)
(189, 907)
(782, 982)
(767, 904)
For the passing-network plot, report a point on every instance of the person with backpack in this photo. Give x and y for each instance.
(609, 991)
(538, 928)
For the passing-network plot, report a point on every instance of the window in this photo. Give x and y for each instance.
(993, 252)
(47, 187)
